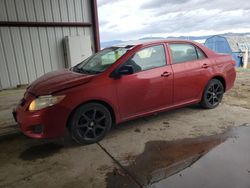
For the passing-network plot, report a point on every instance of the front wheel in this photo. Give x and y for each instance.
(90, 123)
(212, 94)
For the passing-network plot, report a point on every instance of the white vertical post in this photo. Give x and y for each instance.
(245, 59)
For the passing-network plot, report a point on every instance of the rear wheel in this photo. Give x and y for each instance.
(90, 123)
(212, 94)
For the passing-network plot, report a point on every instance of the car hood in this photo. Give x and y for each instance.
(57, 81)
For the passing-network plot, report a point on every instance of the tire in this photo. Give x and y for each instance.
(90, 123)
(213, 94)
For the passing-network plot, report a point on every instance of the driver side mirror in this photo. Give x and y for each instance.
(123, 70)
(126, 70)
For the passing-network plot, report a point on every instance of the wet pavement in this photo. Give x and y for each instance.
(227, 165)
(161, 159)
(213, 161)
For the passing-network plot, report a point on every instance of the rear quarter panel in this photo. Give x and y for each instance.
(223, 66)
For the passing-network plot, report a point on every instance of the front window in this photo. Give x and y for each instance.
(101, 61)
(148, 58)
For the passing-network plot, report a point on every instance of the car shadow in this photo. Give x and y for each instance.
(40, 149)
(133, 124)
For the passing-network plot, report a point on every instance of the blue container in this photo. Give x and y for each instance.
(220, 44)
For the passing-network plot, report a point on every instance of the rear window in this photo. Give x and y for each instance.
(185, 52)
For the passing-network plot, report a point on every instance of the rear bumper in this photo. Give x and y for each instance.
(47, 123)
(230, 78)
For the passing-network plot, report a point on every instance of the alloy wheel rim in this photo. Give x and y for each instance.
(91, 124)
(214, 94)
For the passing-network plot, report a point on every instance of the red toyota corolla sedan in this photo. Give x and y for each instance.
(120, 83)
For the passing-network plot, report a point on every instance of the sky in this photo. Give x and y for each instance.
(134, 19)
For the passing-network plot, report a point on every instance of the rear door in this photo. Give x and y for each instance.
(150, 87)
(190, 67)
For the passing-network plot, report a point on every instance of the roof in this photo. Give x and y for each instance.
(147, 41)
(235, 41)
(132, 44)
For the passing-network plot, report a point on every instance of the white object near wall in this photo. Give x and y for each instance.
(245, 59)
(78, 48)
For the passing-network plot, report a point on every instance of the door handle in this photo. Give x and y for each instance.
(204, 66)
(166, 74)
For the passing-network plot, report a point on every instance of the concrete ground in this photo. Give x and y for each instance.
(8, 100)
(124, 156)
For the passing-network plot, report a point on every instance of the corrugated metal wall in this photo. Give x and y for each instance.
(28, 52)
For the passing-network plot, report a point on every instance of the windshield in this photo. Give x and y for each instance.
(101, 61)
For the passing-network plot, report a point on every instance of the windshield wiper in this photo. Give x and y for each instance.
(81, 70)
(91, 71)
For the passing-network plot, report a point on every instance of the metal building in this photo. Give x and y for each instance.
(32, 34)
(229, 44)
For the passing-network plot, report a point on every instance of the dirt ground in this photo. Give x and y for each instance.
(240, 94)
(134, 153)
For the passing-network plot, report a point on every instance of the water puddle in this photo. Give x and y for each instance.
(213, 161)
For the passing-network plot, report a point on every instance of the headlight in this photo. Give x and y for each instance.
(44, 101)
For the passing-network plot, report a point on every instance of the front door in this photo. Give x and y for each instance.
(150, 87)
